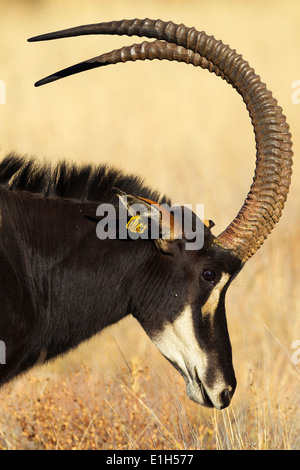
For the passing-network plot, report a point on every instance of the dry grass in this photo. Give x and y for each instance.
(178, 127)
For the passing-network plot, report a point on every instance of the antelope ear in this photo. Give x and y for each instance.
(128, 202)
(152, 217)
(209, 223)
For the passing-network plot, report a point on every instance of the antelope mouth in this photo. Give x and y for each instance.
(194, 386)
(196, 390)
(206, 400)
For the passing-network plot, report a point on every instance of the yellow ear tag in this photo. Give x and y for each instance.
(135, 224)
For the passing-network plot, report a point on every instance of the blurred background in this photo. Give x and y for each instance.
(189, 135)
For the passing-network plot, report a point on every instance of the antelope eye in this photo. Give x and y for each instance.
(209, 275)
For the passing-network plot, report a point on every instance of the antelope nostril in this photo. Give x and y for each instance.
(225, 398)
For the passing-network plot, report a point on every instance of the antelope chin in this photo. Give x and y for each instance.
(194, 387)
(197, 393)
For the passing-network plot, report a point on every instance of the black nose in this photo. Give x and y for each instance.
(225, 398)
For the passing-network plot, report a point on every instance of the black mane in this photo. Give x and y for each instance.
(85, 183)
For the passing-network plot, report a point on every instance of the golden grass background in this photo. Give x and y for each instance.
(189, 135)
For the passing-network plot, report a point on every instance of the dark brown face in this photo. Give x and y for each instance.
(193, 334)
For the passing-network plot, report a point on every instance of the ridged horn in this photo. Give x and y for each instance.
(264, 203)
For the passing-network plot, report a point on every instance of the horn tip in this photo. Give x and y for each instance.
(44, 81)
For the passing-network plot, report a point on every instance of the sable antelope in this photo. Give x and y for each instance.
(60, 284)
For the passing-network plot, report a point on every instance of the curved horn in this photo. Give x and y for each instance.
(145, 51)
(268, 192)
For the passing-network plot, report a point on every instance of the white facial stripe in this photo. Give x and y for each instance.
(177, 341)
(212, 302)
